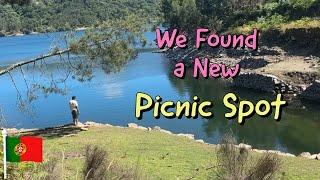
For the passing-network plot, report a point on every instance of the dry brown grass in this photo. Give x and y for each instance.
(95, 163)
(99, 166)
(235, 163)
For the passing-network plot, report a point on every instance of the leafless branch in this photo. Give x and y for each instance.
(3, 121)
(43, 57)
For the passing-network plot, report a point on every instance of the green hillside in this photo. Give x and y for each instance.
(223, 15)
(58, 15)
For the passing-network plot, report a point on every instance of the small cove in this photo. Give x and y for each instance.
(110, 98)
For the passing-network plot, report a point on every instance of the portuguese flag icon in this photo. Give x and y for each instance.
(24, 148)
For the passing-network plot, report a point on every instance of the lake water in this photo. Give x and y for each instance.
(110, 98)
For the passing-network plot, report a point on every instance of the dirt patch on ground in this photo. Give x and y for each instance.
(293, 69)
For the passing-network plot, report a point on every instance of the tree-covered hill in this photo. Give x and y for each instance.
(57, 15)
(222, 15)
(289, 23)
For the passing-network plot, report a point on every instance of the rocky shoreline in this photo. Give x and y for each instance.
(268, 69)
(88, 124)
(17, 34)
(241, 145)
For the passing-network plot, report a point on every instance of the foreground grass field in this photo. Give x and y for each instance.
(154, 154)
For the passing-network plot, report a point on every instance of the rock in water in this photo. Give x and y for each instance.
(312, 92)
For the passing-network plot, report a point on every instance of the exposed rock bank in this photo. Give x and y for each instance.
(312, 92)
(263, 82)
(268, 69)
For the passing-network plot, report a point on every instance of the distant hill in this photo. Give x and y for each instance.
(25, 16)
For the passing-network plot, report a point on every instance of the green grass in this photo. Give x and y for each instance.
(157, 155)
(278, 22)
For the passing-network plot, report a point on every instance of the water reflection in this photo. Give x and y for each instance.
(114, 90)
(297, 131)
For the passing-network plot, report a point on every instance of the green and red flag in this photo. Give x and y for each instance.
(24, 148)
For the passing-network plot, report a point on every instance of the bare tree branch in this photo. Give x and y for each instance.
(43, 57)
(3, 122)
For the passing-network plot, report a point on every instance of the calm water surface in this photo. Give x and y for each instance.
(110, 98)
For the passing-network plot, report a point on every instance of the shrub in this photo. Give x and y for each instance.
(236, 164)
(95, 164)
(99, 166)
(301, 3)
(265, 168)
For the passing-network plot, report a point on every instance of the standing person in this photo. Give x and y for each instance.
(74, 107)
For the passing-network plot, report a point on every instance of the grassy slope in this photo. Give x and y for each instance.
(306, 23)
(158, 155)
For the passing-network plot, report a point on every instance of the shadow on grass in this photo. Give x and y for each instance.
(54, 132)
